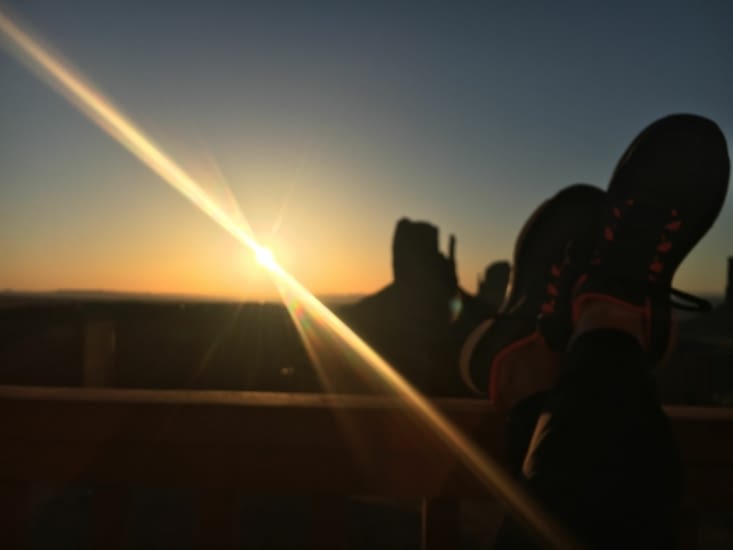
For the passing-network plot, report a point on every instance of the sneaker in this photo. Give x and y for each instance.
(666, 192)
(535, 285)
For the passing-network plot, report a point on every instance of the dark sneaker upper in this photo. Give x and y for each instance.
(664, 195)
(537, 282)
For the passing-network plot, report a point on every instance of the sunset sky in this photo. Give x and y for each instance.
(328, 122)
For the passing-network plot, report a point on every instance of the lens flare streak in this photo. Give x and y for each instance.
(110, 119)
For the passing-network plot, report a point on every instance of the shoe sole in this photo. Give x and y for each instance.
(667, 165)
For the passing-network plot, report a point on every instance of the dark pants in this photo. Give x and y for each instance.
(604, 461)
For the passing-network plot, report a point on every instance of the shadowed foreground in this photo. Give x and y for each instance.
(220, 445)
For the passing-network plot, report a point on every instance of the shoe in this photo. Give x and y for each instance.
(664, 195)
(571, 217)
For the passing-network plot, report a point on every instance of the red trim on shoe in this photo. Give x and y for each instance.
(579, 301)
(495, 371)
(644, 311)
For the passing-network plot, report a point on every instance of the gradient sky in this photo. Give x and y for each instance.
(329, 122)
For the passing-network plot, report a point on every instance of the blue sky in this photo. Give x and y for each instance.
(329, 122)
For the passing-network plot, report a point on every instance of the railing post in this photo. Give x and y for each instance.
(441, 524)
(99, 343)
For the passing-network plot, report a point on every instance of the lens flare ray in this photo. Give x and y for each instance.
(110, 119)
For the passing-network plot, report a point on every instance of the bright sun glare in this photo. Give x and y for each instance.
(265, 257)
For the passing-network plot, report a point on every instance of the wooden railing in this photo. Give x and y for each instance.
(222, 443)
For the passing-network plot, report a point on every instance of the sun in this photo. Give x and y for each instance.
(265, 257)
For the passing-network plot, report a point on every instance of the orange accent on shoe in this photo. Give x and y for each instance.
(495, 375)
(580, 301)
(643, 311)
(673, 226)
(551, 289)
(656, 266)
(582, 279)
(664, 246)
(608, 234)
(555, 270)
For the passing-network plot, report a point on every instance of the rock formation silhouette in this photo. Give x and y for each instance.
(420, 319)
(492, 288)
(417, 262)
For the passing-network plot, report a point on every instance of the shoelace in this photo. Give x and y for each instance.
(679, 299)
(694, 303)
(552, 290)
(618, 211)
(571, 261)
(665, 245)
(656, 266)
(554, 326)
(689, 302)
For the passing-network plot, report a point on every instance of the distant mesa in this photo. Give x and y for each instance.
(417, 261)
(419, 320)
(424, 279)
(492, 288)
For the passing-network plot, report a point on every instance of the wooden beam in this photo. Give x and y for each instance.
(292, 442)
(317, 443)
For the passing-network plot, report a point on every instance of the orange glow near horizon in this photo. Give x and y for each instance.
(369, 364)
